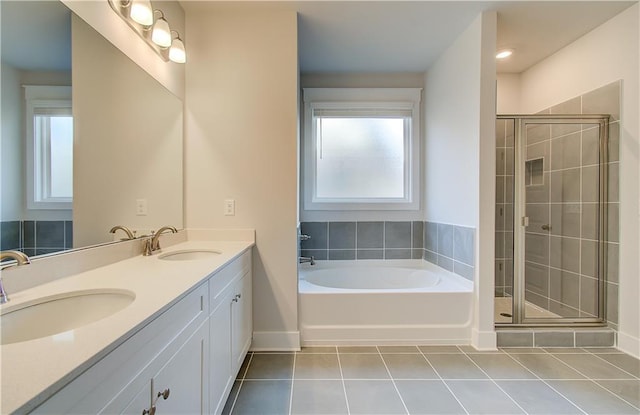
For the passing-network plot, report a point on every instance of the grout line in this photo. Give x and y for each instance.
(614, 365)
(293, 376)
(393, 382)
(235, 399)
(443, 381)
(344, 388)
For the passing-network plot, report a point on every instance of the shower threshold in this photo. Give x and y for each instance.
(503, 310)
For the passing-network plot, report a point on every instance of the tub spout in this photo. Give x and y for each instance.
(310, 259)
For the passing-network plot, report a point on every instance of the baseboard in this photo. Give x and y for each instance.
(383, 335)
(484, 340)
(629, 344)
(264, 341)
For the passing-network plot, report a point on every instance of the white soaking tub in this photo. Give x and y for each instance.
(383, 302)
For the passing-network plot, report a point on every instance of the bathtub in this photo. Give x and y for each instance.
(383, 302)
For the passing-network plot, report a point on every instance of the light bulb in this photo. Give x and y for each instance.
(141, 12)
(177, 53)
(504, 54)
(161, 34)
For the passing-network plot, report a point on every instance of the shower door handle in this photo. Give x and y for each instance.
(546, 227)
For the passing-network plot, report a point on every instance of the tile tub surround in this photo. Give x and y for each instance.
(448, 246)
(36, 237)
(437, 380)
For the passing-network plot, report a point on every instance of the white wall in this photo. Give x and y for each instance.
(11, 155)
(608, 53)
(241, 143)
(127, 142)
(460, 156)
(508, 93)
(101, 17)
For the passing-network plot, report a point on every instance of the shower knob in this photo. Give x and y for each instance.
(546, 227)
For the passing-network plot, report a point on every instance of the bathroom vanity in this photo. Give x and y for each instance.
(176, 348)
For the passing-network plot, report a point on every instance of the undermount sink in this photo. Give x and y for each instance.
(60, 313)
(189, 255)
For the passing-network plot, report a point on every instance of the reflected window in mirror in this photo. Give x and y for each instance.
(49, 147)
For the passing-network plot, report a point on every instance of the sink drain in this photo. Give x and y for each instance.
(506, 315)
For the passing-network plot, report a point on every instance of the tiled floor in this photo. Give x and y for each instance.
(437, 380)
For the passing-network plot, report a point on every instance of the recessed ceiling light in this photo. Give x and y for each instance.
(505, 53)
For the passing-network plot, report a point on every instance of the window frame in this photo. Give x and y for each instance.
(399, 102)
(40, 100)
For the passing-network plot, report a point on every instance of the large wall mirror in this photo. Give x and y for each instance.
(89, 139)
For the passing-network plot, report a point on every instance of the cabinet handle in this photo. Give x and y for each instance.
(165, 394)
(150, 411)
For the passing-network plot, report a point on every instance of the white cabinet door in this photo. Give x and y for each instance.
(220, 352)
(141, 402)
(182, 376)
(241, 320)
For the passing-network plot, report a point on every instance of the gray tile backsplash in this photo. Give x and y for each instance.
(36, 237)
(449, 246)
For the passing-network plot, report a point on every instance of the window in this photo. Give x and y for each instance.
(49, 135)
(361, 149)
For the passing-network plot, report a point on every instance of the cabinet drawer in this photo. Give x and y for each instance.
(223, 279)
(117, 373)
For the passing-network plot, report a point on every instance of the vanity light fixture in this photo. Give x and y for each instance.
(141, 12)
(156, 32)
(161, 33)
(177, 53)
(504, 53)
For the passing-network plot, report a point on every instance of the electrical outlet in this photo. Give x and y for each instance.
(141, 207)
(229, 207)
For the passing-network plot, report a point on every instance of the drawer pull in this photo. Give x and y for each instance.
(165, 394)
(151, 411)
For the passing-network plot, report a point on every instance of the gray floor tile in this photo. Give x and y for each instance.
(559, 350)
(262, 397)
(363, 366)
(629, 390)
(593, 367)
(428, 397)
(319, 349)
(455, 366)
(409, 366)
(592, 398)
(598, 350)
(231, 399)
(318, 397)
(373, 397)
(439, 349)
(623, 361)
(547, 366)
(270, 366)
(398, 349)
(357, 349)
(317, 366)
(501, 366)
(482, 397)
(535, 397)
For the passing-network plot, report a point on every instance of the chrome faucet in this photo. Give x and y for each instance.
(152, 243)
(310, 259)
(130, 235)
(21, 259)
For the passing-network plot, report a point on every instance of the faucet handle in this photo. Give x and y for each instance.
(304, 237)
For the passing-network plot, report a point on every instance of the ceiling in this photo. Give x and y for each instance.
(346, 36)
(408, 36)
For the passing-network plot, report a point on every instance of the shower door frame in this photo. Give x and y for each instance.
(520, 219)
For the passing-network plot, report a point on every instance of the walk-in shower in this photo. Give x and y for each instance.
(551, 219)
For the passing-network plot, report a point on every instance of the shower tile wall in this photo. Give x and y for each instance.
(561, 264)
(449, 246)
(36, 237)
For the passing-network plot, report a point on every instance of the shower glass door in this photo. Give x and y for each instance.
(559, 211)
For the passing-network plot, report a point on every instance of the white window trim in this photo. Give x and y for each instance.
(37, 96)
(364, 99)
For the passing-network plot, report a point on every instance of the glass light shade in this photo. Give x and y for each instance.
(141, 12)
(503, 54)
(161, 34)
(177, 53)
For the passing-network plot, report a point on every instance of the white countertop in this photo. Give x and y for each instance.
(34, 370)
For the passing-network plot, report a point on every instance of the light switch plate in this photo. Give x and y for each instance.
(229, 207)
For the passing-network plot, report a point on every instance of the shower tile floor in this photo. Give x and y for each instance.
(437, 380)
(502, 305)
